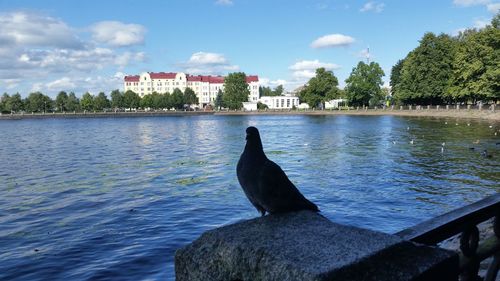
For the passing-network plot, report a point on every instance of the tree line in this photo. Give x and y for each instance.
(363, 87)
(64, 102)
(442, 69)
(451, 69)
(235, 93)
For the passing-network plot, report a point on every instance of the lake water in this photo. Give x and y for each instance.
(97, 199)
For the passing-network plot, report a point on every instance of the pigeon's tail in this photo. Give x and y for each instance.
(305, 204)
(311, 206)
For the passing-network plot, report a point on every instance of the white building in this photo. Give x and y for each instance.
(334, 104)
(280, 102)
(205, 87)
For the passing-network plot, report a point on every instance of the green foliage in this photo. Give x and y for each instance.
(131, 99)
(218, 100)
(426, 71)
(266, 91)
(101, 101)
(495, 22)
(176, 99)
(38, 102)
(395, 78)
(363, 85)
(321, 88)
(476, 67)
(161, 101)
(117, 99)
(3, 101)
(15, 103)
(190, 97)
(147, 101)
(235, 90)
(262, 106)
(87, 102)
(61, 101)
(72, 103)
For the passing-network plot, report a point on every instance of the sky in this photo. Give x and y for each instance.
(80, 46)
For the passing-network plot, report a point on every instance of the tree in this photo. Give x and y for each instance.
(235, 90)
(117, 99)
(278, 91)
(395, 78)
(38, 102)
(131, 99)
(364, 84)
(161, 101)
(147, 101)
(176, 99)
(87, 102)
(266, 91)
(320, 88)
(495, 22)
(218, 100)
(190, 97)
(61, 101)
(15, 103)
(72, 103)
(101, 101)
(3, 102)
(476, 66)
(426, 71)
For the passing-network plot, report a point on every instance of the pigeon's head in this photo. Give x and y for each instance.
(252, 134)
(253, 139)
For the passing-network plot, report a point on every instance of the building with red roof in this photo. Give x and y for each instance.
(206, 87)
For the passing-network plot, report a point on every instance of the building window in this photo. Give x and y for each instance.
(142, 83)
(287, 102)
(282, 102)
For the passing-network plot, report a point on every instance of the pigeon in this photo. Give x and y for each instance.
(265, 184)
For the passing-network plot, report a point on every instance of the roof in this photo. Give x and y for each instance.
(191, 78)
(132, 78)
(162, 75)
(252, 78)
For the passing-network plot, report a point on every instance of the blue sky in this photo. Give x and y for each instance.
(90, 45)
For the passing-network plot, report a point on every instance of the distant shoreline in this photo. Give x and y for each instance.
(485, 114)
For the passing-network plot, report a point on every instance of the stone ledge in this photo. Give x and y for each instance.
(306, 246)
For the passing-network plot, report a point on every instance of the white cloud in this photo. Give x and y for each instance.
(306, 69)
(116, 33)
(125, 58)
(208, 63)
(62, 84)
(332, 40)
(312, 65)
(266, 82)
(207, 58)
(480, 23)
(493, 7)
(224, 2)
(467, 3)
(45, 53)
(80, 84)
(372, 6)
(30, 29)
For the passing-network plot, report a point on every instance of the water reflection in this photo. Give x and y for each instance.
(100, 195)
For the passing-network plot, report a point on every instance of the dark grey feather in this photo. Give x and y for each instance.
(265, 184)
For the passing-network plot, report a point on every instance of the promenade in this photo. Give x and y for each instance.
(486, 114)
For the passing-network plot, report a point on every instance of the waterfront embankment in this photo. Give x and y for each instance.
(486, 114)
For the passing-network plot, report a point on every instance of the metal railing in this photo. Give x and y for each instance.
(464, 221)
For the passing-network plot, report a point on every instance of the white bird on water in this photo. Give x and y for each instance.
(411, 142)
